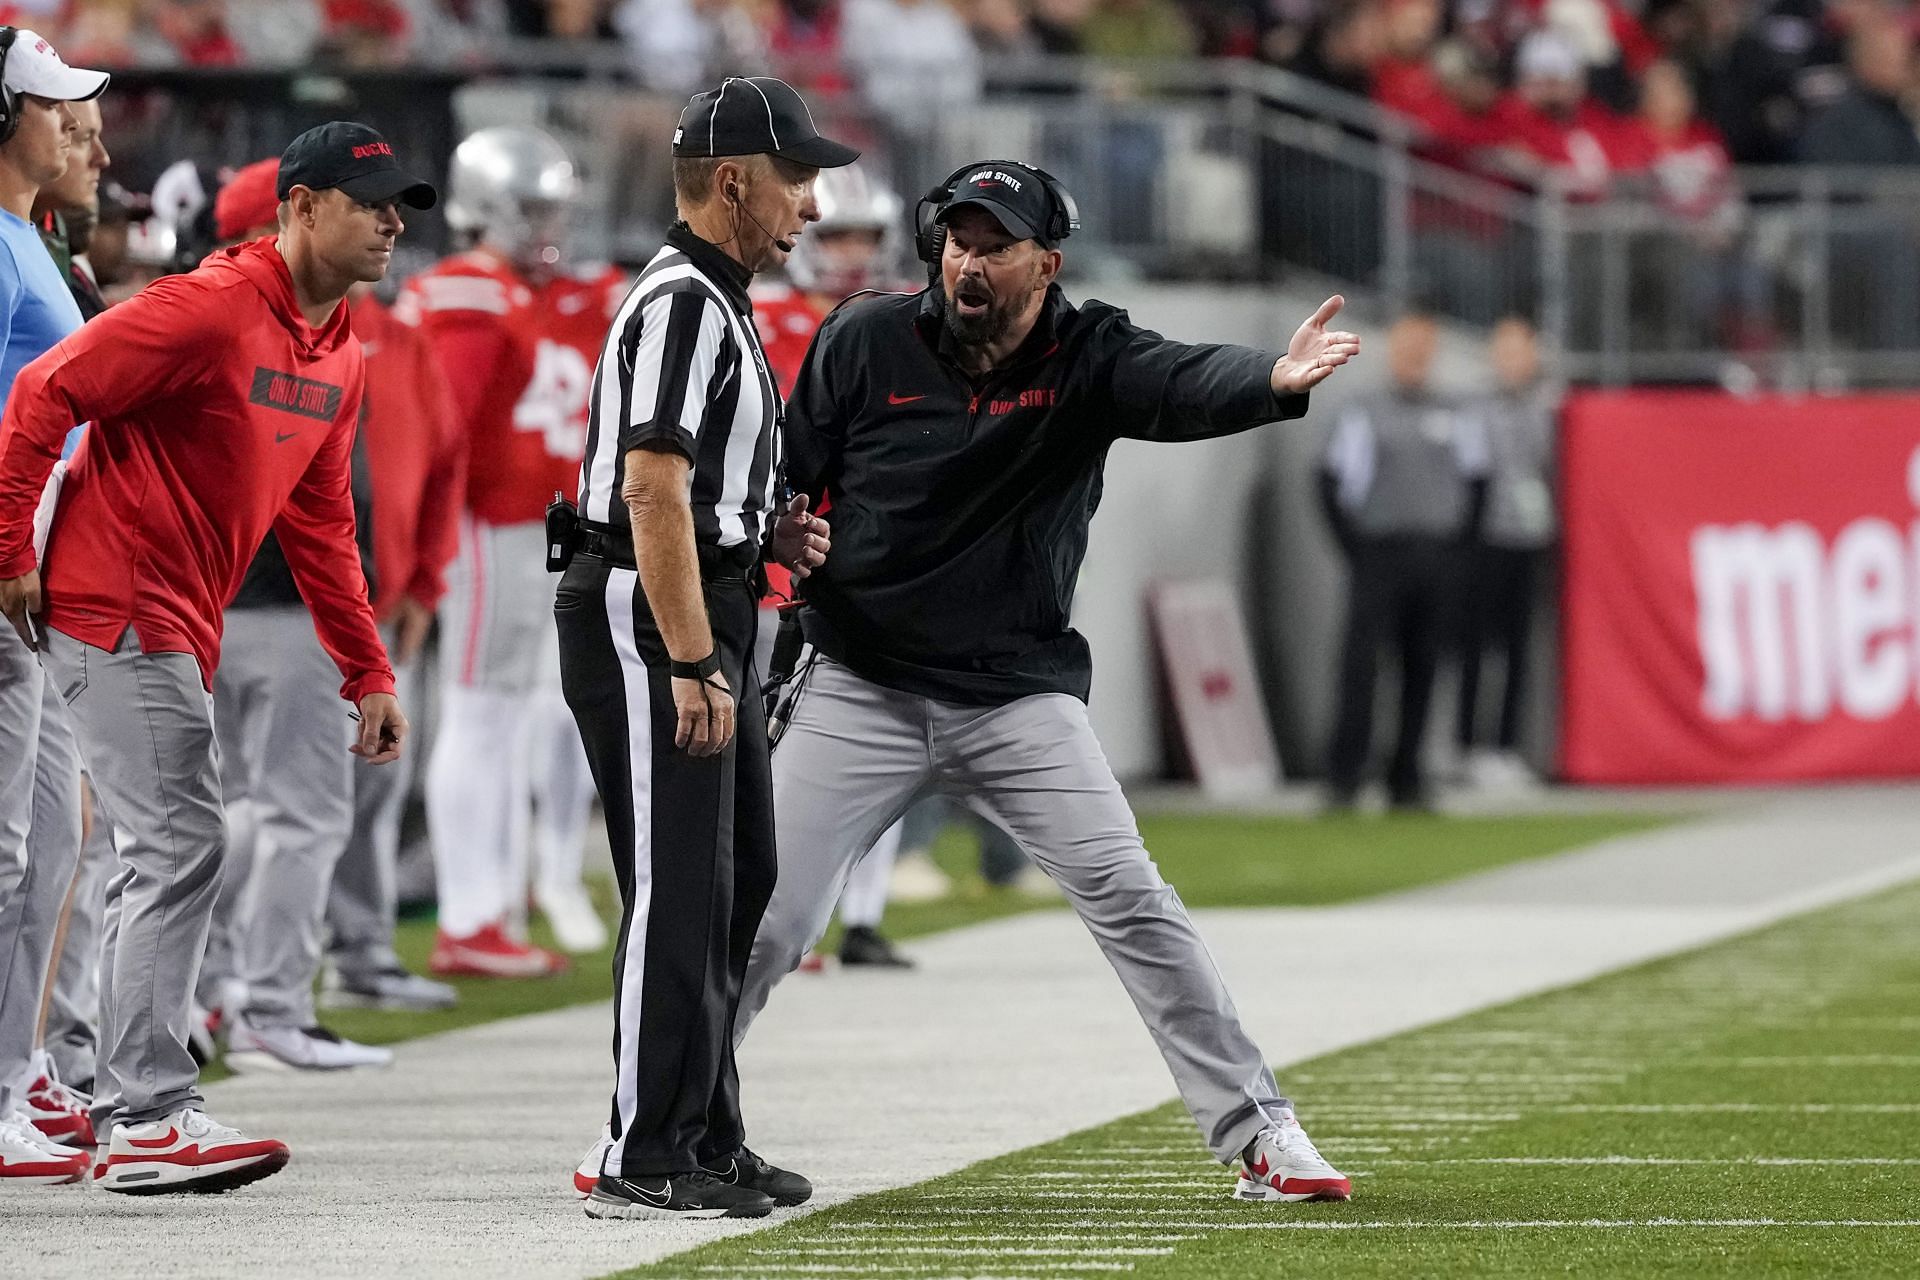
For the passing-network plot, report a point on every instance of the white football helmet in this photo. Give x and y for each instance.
(513, 188)
(850, 199)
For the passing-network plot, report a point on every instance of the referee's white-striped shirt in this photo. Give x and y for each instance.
(683, 367)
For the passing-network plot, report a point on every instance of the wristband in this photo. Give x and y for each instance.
(707, 666)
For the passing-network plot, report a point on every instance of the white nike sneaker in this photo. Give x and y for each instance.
(186, 1151)
(1283, 1164)
(251, 1048)
(28, 1158)
(588, 1173)
(576, 925)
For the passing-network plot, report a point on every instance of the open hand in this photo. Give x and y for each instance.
(1314, 352)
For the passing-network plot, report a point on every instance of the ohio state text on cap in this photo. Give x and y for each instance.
(351, 158)
(752, 116)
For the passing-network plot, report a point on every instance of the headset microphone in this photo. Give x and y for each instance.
(733, 194)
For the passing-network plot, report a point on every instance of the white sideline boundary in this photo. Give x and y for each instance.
(454, 1164)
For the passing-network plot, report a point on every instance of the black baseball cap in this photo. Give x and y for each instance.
(756, 115)
(354, 159)
(1012, 193)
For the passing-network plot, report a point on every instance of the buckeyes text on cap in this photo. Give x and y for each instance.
(33, 67)
(354, 159)
(756, 115)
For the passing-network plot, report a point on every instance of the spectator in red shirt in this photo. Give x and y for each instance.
(1570, 134)
(222, 404)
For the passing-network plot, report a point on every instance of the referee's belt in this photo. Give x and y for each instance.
(614, 544)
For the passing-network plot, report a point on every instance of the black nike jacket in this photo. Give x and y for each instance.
(961, 505)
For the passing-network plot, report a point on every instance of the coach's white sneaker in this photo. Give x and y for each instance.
(1283, 1164)
(28, 1158)
(186, 1151)
(251, 1048)
(576, 925)
(591, 1164)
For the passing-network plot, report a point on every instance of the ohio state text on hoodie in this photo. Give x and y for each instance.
(218, 413)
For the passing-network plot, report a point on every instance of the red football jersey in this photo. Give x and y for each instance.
(519, 358)
(787, 319)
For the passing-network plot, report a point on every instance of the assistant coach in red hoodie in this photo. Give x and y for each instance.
(223, 405)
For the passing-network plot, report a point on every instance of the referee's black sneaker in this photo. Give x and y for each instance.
(747, 1170)
(684, 1195)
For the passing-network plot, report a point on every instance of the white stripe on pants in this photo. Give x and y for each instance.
(855, 755)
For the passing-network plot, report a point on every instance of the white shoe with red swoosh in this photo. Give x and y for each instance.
(186, 1151)
(30, 1159)
(588, 1174)
(1283, 1164)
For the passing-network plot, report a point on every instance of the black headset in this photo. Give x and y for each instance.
(9, 101)
(930, 237)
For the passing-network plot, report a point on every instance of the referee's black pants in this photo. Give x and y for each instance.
(693, 851)
(1402, 597)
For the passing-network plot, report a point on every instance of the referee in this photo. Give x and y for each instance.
(961, 433)
(656, 617)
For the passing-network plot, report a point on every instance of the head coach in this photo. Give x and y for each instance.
(656, 616)
(961, 434)
(222, 405)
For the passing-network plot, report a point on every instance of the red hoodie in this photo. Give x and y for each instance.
(218, 413)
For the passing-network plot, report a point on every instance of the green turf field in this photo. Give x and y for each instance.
(1752, 1109)
(1213, 861)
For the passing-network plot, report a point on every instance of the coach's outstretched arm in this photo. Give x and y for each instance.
(1167, 390)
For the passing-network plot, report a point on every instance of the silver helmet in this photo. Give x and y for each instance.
(850, 199)
(513, 188)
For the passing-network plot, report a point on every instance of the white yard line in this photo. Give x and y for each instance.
(454, 1164)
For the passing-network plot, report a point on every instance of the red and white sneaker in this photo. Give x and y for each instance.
(186, 1151)
(58, 1112)
(28, 1158)
(1283, 1164)
(490, 953)
(588, 1173)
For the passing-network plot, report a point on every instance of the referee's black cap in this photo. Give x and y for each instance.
(355, 159)
(756, 115)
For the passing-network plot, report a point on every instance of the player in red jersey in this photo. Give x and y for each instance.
(518, 336)
(856, 246)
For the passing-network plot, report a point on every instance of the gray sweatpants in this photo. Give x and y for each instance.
(287, 779)
(855, 755)
(144, 723)
(363, 903)
(30, 914)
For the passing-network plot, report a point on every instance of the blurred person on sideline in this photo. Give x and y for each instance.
(678, 45)
(517, 330)
(1509, 559)
(227, 400)
(40, 790)
(1403, 487)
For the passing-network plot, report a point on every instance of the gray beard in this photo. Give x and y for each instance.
(978, 331)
